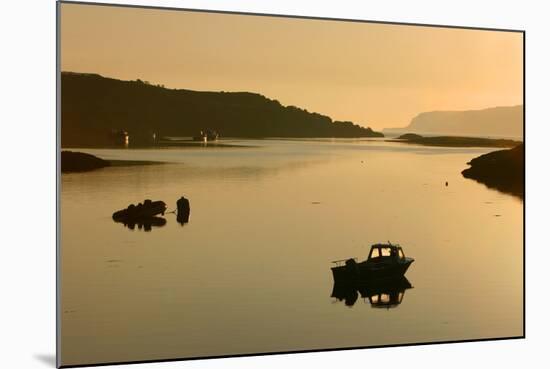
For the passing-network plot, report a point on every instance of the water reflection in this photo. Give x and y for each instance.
(145, 224)
(231, 196)
(515, 188)
(384, 293)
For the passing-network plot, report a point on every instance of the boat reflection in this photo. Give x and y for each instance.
(146, 224)
(383, 293)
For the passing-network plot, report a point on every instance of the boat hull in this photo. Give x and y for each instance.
(369, 271)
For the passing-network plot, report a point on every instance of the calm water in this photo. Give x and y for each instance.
(251, 272)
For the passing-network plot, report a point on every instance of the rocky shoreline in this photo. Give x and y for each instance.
(503, 170)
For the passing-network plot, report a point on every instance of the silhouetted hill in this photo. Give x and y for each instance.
(93, 106)
(503, 170)
(496, 122)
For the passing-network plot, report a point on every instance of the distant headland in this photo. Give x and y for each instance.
(94, 108)
(502, 121)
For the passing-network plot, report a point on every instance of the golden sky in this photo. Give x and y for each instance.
(375, 75)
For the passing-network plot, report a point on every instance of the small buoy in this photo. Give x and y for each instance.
(446, 184)
(183, 210)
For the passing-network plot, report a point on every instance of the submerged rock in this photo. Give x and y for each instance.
(73, 161)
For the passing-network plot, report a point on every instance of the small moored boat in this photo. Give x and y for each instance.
(384, 261)
(206, 135)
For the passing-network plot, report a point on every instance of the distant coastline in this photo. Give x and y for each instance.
(454, 141)
(496, 122)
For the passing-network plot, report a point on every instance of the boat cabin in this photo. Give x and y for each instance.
(384, 261)
(379, 252)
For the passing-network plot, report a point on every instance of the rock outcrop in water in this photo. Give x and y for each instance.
(503, 170)
(143, 210)
(144, 215)
(72, 161)
(455, 141)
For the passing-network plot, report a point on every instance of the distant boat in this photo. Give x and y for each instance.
(120, 137)
(206, 135)
(384, 261)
